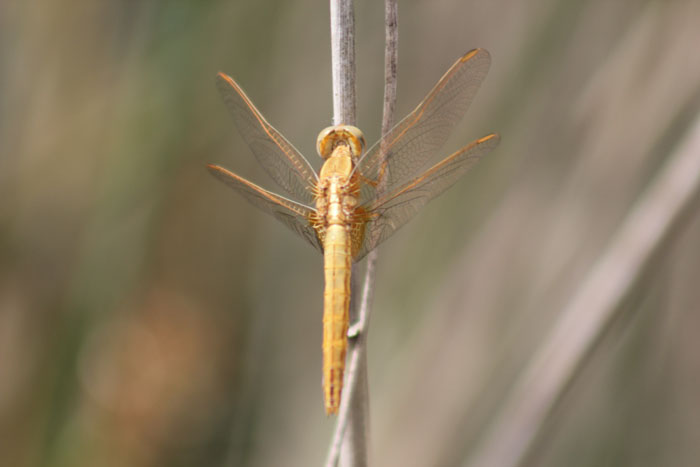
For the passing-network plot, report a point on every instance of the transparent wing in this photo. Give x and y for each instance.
(396, 207)
(278, 157)
(294, 215)
(408, 147)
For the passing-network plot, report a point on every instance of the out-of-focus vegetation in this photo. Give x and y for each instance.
(149, 317)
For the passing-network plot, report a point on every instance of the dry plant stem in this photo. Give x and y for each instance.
(354, 406)
(354, 445)
(361, 327)
(343, 61)
(660, 212)
(391, 58)
(355, 436)
(355, 442)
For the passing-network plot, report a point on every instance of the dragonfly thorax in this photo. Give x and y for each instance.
(337, 194)
(337, 190)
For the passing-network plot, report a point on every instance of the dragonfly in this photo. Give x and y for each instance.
(359, 198)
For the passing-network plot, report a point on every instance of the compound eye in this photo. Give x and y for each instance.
(324, 142)
(330, 137)
(355, 139)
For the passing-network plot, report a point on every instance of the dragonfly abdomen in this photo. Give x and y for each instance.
(336, 303)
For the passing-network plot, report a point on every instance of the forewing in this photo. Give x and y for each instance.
(408, 147)
(294, 215)
(278, 157)
(395, 208)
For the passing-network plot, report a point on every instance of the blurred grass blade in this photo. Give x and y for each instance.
(659, 213)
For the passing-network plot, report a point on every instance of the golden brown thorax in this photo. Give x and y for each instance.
(338, 187)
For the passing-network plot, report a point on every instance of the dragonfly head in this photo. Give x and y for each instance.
(333, 136)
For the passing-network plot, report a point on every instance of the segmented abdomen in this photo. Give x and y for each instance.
(336, 303)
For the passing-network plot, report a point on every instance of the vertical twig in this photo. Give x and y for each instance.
(343, 74)
(391, 59)
(343, 61)
(659, 213)
(391, 54)
(354, 406)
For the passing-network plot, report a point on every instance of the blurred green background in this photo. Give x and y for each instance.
(150, 317)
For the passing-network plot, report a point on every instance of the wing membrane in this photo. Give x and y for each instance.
(407, 147)
(395, 208)
(292, 214)
(278, 157)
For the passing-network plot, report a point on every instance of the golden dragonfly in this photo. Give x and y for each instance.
(358, 199)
